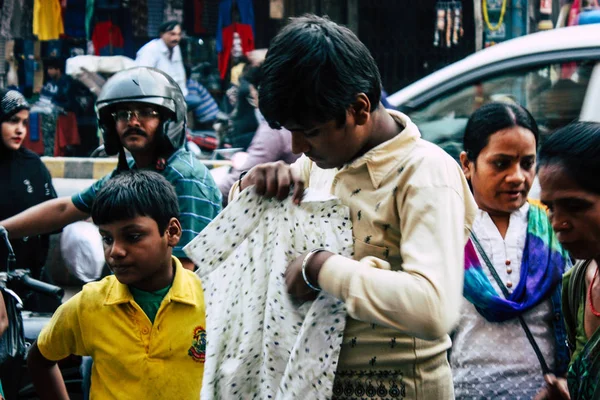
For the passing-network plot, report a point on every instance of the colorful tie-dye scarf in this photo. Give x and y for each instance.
(543, 264)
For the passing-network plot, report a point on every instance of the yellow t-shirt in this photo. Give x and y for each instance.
(133, 358)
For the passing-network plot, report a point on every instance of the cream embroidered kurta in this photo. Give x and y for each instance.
(411, 209)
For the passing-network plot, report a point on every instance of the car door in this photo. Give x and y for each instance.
(553, 86)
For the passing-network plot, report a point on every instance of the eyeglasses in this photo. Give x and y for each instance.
(140, 115)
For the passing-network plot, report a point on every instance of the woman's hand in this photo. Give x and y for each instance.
(555, 389)
(274, 180)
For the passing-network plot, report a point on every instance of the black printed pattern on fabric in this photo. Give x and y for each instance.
(261, 344)
(375, 385)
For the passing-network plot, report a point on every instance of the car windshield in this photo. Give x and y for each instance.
(553, 93)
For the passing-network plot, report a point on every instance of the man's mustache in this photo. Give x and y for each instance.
(134, 131)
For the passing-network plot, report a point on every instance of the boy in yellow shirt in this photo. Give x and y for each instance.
(143, 326)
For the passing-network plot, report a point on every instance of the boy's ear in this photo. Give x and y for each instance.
(361, 109)
(173, 232)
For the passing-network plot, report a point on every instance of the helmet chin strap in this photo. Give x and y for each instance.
(122, 164)
(164, 148)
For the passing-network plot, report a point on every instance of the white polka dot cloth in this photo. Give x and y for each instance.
(261, 344)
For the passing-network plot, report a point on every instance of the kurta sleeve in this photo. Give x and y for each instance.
(422, 297)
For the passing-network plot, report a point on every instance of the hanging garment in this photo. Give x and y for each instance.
(74, 18)
(155, 11)
(193, 19)
(66, 134)
(27, 20)
(10, 24)
(246, 40)
(107, 38)
(246, 15)
(261, 344)
(139, 17)
(34, 140)
(3, 57)
(47, 19)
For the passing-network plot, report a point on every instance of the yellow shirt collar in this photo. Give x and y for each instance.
(381, 159)
(181, 290)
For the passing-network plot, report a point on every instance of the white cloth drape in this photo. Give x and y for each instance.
(260, 343)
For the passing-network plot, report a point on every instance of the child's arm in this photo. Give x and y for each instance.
(46, 376)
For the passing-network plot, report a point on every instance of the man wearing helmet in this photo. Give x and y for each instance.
(141, 110)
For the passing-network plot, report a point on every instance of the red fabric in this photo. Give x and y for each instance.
(36, 146)
(106, 34)
(198, 11)
(247, 38)
(66, 134)
(568, 69)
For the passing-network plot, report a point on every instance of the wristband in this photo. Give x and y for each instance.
(305, 263)
(240, 179)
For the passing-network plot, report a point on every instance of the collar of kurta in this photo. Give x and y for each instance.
(382, 159)
(181, 290)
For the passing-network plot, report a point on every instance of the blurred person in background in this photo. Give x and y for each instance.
(205, 114)
(164, 54)
(268, 145)
(24, 182)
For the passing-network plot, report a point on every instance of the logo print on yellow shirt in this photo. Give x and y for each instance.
(198, 349)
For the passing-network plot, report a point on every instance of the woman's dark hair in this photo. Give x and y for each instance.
(491, 118)
(136, 193)
(576, 149)
(167, 26)
(313, 71)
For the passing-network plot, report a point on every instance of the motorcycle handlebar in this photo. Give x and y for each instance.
(42, 287)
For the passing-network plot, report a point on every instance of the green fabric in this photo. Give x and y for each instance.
(198, 195)
(584, 369)
(580, 337)
(89, 13)
(149, 302)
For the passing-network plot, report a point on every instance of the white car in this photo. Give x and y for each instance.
(554, 74)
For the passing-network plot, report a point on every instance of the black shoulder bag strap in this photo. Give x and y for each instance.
(536, 348)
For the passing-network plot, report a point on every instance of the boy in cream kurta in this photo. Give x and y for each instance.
(410, 205)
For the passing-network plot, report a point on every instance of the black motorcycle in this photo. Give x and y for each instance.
(19, 288)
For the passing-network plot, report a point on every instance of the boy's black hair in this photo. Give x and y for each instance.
(313, 71)
(575, 148)
(136, 193)
(491, 118)
(168, 26)
(56, 63)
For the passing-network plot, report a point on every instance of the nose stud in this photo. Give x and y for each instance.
(564, 224)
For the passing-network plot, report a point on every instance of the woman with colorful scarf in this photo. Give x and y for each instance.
(510, 340)
(568, 172)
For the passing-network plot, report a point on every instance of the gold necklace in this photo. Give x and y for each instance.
(486, 17)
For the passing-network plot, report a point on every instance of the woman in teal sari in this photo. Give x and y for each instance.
(569, 173)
